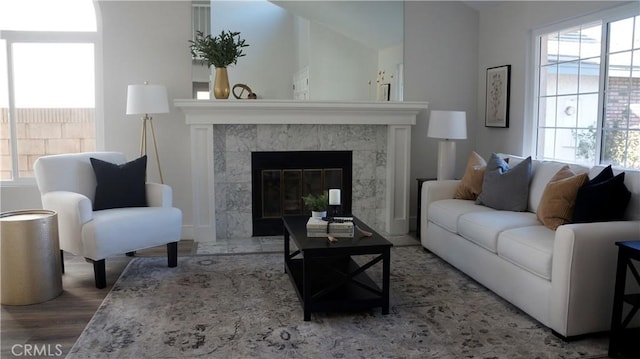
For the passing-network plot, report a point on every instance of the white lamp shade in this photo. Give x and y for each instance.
(451, 125)
(142, 99)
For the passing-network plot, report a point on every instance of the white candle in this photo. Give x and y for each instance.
(334, 197)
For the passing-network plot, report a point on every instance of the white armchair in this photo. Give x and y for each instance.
(67, 185)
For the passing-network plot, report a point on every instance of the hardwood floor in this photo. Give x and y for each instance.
(56, 324)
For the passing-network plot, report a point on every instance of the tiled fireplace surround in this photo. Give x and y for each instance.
(224, 133)
(233, 145)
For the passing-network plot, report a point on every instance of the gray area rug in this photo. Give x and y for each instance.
(244, 306)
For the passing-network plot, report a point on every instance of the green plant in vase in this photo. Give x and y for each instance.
(220, 51)
(317, 203)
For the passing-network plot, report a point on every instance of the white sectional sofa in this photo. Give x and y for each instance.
(563, 278)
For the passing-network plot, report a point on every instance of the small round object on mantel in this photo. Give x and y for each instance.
(250, 94)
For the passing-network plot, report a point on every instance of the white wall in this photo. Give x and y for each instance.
(505, 39)
(388, 60)
(302, 28)
(148, 41)
(339, 68)
(16, 197)
(440, 61)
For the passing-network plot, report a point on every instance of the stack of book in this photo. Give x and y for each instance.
(339, 227)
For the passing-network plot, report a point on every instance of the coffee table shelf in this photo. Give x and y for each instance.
(325, 275)
(345, 297)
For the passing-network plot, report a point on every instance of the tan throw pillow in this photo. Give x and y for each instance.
(471, 184)
(559, 198)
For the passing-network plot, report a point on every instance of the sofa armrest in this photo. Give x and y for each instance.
(74, 210)
(583, 274)
(434, 191)
(159, 195)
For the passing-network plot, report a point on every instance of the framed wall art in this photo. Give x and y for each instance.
(497, 92)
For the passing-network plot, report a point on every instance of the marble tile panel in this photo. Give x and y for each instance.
(381, 165)
(243, 245)
(271, 240)
(361, 137)
(219, 138)
(381, 217)
(364, 194)
(241, 138)
(273, 247)
(382, 134)
(244, 248)
(333, 137)
(238, 197)
(381, 193)
(302, 138)
(364, 165)
(219, 246)
(221, 225)
(238, 167)
(272, 137)
(238, 224)
(368, 216)
(219, 167)
(221, 189)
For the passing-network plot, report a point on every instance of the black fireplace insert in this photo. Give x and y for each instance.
(281, 179)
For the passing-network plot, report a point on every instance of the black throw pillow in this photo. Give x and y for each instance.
(604, 198)
(120, 186)
(604, 175)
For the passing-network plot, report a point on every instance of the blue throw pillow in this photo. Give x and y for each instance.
(120, 186)
(506, 188)
(604, 198)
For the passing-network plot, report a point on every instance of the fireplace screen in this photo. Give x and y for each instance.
(281, 179)
(282, 190)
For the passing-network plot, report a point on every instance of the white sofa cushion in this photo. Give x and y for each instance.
(530, 248)
(483, 227)
(445, 213)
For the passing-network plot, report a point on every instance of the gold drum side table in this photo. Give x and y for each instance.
(30, 257)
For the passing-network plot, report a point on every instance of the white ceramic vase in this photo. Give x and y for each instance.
(316, 214)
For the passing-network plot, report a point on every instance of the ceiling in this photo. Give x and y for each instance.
(376, 24)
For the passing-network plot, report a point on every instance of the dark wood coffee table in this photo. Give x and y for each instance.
(324, 274)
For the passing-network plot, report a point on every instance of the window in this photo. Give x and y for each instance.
(47, 82)
(588, 92)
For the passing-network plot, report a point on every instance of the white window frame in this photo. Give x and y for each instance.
(68, 37)
(604, 16)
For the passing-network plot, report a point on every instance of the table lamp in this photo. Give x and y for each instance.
(448, 126)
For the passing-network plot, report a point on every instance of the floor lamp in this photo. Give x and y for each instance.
(146, 99)
(448, 126)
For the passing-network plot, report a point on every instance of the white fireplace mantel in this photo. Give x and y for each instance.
(221, 112)
(201, 115)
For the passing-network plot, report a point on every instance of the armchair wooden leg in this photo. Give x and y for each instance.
(62, 260)
(100, 274)
(172, 254)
